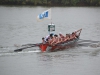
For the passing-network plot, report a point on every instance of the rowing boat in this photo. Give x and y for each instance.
(61, 46)
(47, 47)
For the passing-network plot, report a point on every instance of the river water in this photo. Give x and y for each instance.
(18, 26)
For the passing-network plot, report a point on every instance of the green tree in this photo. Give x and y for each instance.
(74, 2)
(65, 2)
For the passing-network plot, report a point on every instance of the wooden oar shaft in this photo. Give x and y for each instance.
(89, 41)
(31, 44)
(17, 50)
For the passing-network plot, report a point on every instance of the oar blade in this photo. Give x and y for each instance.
(17, 50)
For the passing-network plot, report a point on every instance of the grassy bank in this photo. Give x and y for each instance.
(51, 2)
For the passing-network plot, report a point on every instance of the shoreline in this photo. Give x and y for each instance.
(50, 3)
(47, 5)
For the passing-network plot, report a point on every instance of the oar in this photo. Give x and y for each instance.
(18, 50)
(34, 45)
(31, 44)
(84, 44)
(88, 41)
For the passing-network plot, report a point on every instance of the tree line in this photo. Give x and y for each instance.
(51, 2)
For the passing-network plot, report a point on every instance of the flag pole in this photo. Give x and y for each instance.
(51, 20)
(51, 17)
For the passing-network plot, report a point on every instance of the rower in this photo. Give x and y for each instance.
(54, 40)
(57, 40)
(62, 37)
(73, 35)
(48, 37)
(43, 41)
(66, 38)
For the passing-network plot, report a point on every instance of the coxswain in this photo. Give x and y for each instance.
(77, 33)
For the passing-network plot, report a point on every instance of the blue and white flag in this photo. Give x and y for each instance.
(44, 15)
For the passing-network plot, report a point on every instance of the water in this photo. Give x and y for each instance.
(18, 26)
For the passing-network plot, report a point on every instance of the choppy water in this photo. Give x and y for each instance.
(18, 26)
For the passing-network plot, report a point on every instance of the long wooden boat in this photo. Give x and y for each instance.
(46, 47)
(61, 46)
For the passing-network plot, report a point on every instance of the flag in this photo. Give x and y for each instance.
(44, 15)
